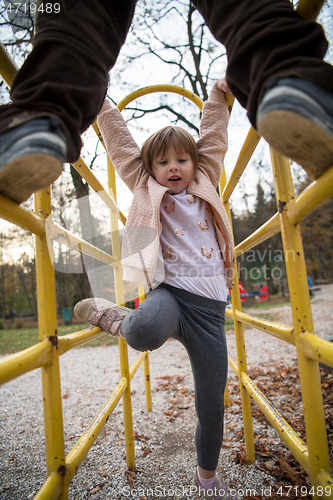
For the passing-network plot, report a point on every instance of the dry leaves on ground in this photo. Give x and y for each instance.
(281, 386)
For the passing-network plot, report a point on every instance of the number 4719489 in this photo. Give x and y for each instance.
(304, 491)
(48, 7)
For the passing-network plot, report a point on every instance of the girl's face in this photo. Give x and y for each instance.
(174, 170)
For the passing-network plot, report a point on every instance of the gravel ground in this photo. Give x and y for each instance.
(164, 444)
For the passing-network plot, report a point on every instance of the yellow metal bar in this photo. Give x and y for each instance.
(12, 212)
(72, 340)
(149, 405)
(275, 329)
(61, 235)
(123, 351)
(241, 353)
(17, 364)
(244, 157)
(326, 482)
(242, 367)
(222, 184)
(160, 88)
(233, 364)
(141, 289)
(314, 417)
(229, 313)
(226, 395)
(79, 451)
(8, 68)
(135, 366)
(295, 444)
(127, 405)
(316, 348)
(143, 357)
(309, 9)
(108, 199)
(51, 489)
(47, 322)
(271, 227)
(314, 195)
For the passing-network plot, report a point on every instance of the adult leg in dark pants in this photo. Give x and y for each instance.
(198, 323)
(275, 63)
(58, 91)
(66, 74)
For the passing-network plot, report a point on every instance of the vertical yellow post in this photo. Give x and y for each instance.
(226, 396)
(314, 417)
(47, 323)
(241, 353)
(149, 405)
(146, 362)
(123, 351)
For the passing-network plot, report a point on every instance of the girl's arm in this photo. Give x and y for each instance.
(120, 145)
(213, 142)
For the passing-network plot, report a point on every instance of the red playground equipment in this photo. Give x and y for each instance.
(262, 294)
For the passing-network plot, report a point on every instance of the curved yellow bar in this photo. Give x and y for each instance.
(14, 213)
(160, 88)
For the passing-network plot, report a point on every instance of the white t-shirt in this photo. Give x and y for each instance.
(192, 258)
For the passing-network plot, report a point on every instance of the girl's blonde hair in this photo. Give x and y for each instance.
(158, 143)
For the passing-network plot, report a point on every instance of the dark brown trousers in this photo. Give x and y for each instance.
(66, 74)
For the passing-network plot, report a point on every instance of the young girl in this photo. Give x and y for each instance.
(178, 241)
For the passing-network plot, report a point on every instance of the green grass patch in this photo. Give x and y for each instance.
(14, 340)
(266, 305)
(229, 324)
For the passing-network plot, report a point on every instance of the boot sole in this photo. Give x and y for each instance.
(298, 138)
(24, 175)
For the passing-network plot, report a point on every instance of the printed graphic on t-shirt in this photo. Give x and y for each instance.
(191, 199)
(170, 208)
(192, 257)
(188, 240)
(167, 254)
(204, 226)
(206, 253)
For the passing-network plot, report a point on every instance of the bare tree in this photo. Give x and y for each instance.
(168, 43)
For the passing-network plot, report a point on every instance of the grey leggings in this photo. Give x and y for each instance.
(198, 323)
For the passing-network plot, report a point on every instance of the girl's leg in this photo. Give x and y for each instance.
(209, 364)
(202, 334)
(157, 319)
(147, 328)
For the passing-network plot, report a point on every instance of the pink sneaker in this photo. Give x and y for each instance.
(102, 313)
